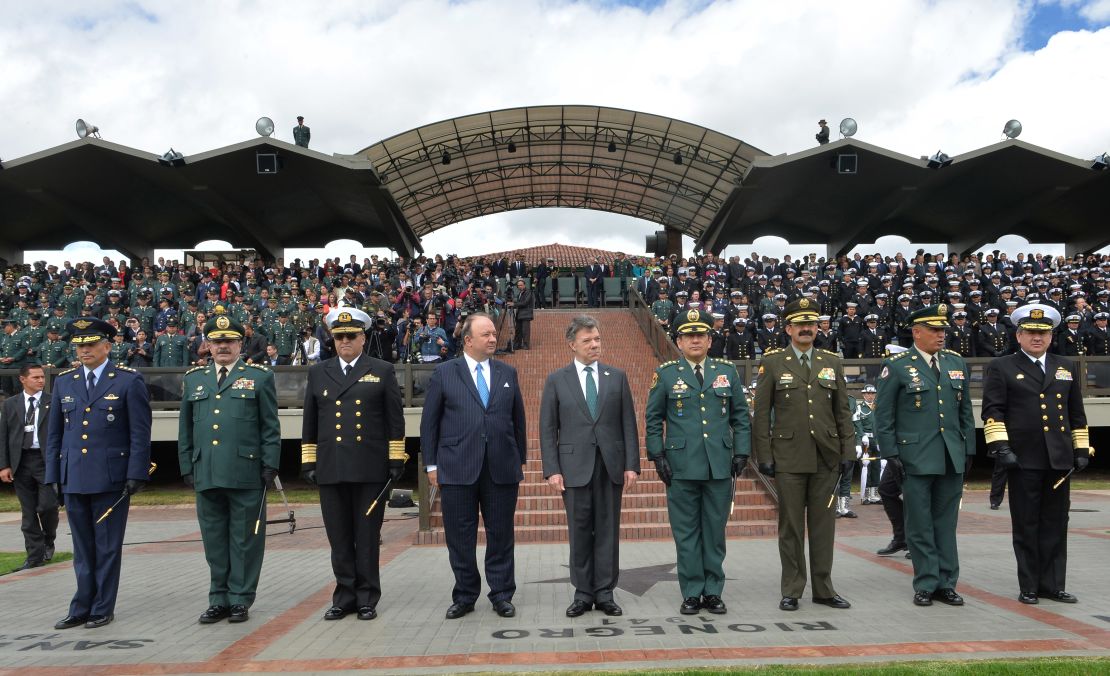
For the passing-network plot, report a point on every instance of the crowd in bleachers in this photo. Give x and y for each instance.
(159, 307)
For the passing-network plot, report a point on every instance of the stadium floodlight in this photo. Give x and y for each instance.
(612, 146)
(85, 129)
(1101, 162)
(939, 160)
(678, 157)
(172, 158)
(1012, 129)
(446, 158)
(512, 147)
(848, 127)
(264, 126)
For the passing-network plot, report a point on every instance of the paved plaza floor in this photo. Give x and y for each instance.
(164, 589)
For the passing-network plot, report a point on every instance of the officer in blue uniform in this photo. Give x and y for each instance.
(97, 451)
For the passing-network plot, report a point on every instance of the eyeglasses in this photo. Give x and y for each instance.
(345, 336)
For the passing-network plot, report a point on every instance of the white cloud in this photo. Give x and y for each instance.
(918, 75)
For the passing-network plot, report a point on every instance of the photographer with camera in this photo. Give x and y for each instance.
(431, 341)
(380, 338)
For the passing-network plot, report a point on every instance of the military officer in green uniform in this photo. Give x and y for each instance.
(144, 312)
(663, 309)
(58, 321)
(283, 335)
(924, 425)
(54, 352)
(171, 350)
(705, 446)
(228, 450)
(802, 434)
(120, 350)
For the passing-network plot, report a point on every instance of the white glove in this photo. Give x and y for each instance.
(859, 452)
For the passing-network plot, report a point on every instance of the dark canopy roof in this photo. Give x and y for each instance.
(559, 156)
(124, 198)
(1010, 187)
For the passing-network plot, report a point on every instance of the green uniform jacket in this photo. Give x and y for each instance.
(863, 419)
(705, 426)
(171, 351)
(799, 418)
(918, 419)
(226, 434)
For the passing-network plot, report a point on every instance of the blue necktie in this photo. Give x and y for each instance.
(91, 381)
(483, 388)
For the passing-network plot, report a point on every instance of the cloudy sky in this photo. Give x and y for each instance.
(918, 75)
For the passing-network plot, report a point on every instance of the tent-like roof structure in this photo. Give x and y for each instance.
(656, 168)
(565, 255)
(1010, 187)
(126, 199)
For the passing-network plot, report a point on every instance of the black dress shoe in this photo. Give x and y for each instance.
(49, 553)
(610, 608)
(97, 621)
(893, 548)
(69, 622)
(239, 613)
(29, 564)
(457, 610)
(848, 514)
(577, 608)
(504, 608)
(1028, 598)
(335, 613)
(690, 605)
(922, 598)
(367, 613)
(948, 596)
(214, 614)
(834, 601)
(1061, 596)
(994, 505)
(714, 604)
(907, 555)
(788, 603)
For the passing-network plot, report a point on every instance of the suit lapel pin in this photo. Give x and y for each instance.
(606, 372)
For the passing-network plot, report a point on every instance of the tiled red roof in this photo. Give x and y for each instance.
(565, 255)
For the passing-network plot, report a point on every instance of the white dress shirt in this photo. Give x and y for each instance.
(471, 366)
(582, 375)
(1038, 361)
(38, 412)
(343, 365)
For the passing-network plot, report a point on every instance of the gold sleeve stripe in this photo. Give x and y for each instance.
(995, 431)
(308, 452)
(1080, 438)
(397, 450)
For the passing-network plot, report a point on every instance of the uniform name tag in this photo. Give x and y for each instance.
(955, 375)
(786, 378)
(370, 378)
(1063, 374)
(28, 428)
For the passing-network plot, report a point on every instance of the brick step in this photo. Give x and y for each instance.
(643, 485)
(631, 500)
(630, 531)
(557, 517)
(535, 476)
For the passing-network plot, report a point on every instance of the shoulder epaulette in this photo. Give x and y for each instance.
(774, 351)
(900, 355)
(126, 368)
(946, 351)
(195, 368)
(260, 367)
(827, 352)
(69, 370)
(668, 363)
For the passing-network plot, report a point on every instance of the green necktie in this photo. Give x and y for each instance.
(805, 362)
(591, 391)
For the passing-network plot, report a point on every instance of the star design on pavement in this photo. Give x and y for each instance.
(636, 581)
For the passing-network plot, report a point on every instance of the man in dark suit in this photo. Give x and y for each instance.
(360, 397)
(595, 284)
(474, 439)
(591, 453)
(22, 439)
(522, 302)
(1036, 430)
(97, 452)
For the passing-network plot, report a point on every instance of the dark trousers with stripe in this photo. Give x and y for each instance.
(354, 539)
(97, 550)
(461, 505)
(1039, 517)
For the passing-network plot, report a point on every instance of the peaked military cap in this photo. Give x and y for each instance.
(1036, 317)
(347, 320)
(222, 327)
(694, 321)
(935, 316)
(801, 311)
(85, 330)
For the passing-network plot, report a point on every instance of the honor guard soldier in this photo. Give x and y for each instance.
(802, 434)
(171, 350)
(924, 426)
(353, 442)
(229, 447)
(700, 402)
(97, 455)
(867, 451)
(1036, 430)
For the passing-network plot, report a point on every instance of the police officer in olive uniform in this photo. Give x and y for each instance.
(1036, 430)
(171, 350)
(707, 441)
(97, 452)
(924, 425)
(353, 441)
(229, 446)
(803, 436)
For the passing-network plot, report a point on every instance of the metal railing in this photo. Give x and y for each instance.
(661, 344)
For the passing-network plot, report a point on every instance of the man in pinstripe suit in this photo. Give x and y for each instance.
(472, 432)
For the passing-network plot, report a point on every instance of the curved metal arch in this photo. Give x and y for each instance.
(655, 168)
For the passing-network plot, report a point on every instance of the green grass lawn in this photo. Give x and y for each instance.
(9, 561)
(1028, 667)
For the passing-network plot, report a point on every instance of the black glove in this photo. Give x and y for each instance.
(268, 475)
(846, 467)
(57, 490)
(188, 479)
(1004, 458)
(767, 469)
(663, 469)
(895, 465)
(396, 470)
(133, 486)
(1082, 459)
(739, 462)
(308, 473)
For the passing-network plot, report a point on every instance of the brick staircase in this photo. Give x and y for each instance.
(540, 516)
